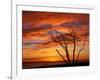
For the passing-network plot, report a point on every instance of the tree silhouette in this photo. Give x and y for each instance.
(63, 40)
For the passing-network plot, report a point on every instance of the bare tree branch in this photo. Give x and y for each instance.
(56, 40)
(66, 49)
(74, 43)
(73, 35)
(61, 44)
(80, 51)
(67, 55)
(61, 56)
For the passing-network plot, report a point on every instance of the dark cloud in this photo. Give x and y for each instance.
(70, 24)
(28, 27)
(73, 24)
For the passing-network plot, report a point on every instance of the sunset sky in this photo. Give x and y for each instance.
(38, 46)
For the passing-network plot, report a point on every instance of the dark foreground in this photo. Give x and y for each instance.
(31, 65)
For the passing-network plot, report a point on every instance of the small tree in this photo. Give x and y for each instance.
(62, 40)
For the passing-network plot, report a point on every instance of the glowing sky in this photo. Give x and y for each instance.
(37, 43)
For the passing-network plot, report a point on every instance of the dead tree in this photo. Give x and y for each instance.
(59, 38)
